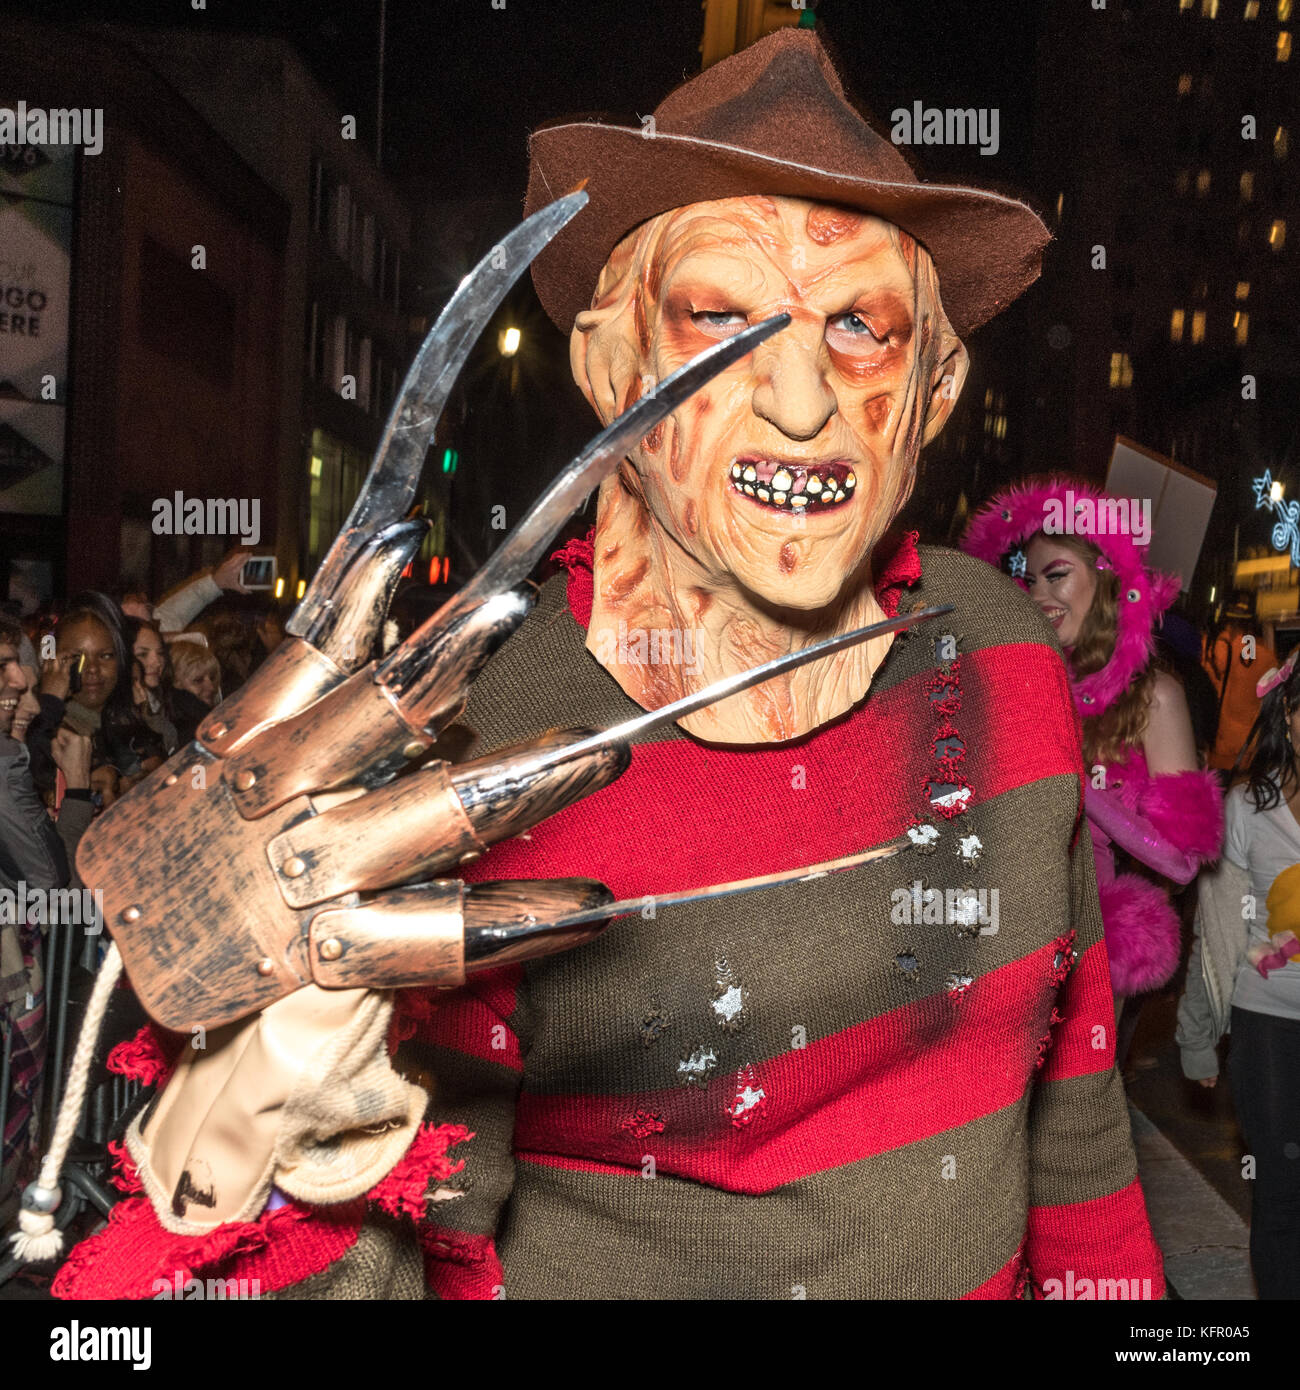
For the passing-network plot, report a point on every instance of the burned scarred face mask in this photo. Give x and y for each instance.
(743, 526)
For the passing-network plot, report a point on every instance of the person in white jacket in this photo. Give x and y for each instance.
(1236, 967)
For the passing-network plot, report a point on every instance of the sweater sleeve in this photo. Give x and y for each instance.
(183, 605)
(1087, 1215)
(1195, 1035)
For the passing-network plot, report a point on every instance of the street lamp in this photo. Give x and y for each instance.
(508, 341)
(1275, 492)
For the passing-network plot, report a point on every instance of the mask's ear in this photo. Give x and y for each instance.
(602, 346)
(589, 360)
(947, 377)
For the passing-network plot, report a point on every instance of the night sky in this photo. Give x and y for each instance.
(464, 82)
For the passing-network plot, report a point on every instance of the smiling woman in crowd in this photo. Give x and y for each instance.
(86, 687)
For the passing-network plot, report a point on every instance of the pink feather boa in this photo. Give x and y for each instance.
(1143, 941)
(1016, 514)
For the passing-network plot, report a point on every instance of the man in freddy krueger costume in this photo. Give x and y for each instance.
(870, 1085)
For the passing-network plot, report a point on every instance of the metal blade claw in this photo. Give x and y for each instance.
(395, 473)
(711, 694)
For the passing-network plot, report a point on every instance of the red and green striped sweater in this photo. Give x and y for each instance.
(822, 1090)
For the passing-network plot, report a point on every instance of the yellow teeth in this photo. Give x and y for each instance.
(850, 481)
(782, 480)
(813, 485)
(779, 498)
(799, 501)
(750, 474)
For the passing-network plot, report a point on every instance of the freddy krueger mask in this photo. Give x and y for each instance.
(743, 526)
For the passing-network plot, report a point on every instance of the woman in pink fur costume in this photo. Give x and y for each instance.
(1146, 795)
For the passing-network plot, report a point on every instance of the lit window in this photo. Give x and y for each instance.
(1121, 370)
(1252, 9)
(1241, 323)
(1184, 4)
(1176, 326)
(1283, 10)
(988, 399)
(1000, 427)
(1184, 84)
(1283, 45)
(1277, 234)
(1198, 325)
(1202, 183)
(1243, 289)
(1247, 187)
(1183, 182)
(1281, 145)
(1209, 9)
(1060, 205)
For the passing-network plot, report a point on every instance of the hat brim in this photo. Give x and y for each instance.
(987, 247)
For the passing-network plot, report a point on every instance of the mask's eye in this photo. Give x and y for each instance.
(854, 327)
(720, 323)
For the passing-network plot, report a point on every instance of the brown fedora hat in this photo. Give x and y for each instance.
(771, 119)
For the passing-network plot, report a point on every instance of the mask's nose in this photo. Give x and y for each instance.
(792, 393)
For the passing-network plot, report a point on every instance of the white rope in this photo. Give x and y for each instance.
(37, 1239)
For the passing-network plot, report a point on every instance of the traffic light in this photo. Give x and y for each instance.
(730, 25)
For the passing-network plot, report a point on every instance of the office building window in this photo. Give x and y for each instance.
(1241, 323)
(341, 228)
(1243, 289)
(1202, 183)
(1198, 325)
(1284, 46)
(317, 193)
(1209, 9)
(1247, 187)
(1176, 321)
(1283, 10)
(1121, 370)
(1281, 143)
(1277, 233)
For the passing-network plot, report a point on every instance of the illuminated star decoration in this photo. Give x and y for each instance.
(1286, 534)
(1018, 563)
